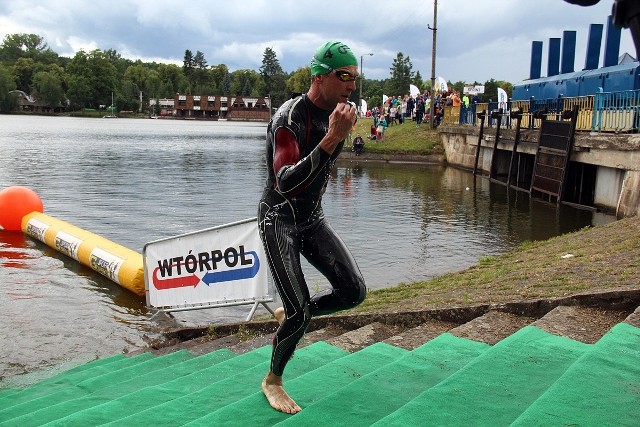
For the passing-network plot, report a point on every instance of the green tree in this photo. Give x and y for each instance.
(8, 101)
(417, 80)
(491, 89)
(243, 82)
(128, 97)
(170, 76)
(274, 78)
(372, 92)
(80, 93)
(401, 76)
(48, 87)
(23, 71)
(188, 66)
(137, 74)
(200, 72)
(217, 74)
(16, 46)
(152, 84)
(99, 77)
(226, 85)
(246, 88)
(118, 61)
(300, 80)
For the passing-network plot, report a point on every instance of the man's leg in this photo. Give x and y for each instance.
(281, 244)
(324, 249)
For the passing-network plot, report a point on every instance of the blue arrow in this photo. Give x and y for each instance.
(237, 274)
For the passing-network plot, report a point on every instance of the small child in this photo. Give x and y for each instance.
(382, 124)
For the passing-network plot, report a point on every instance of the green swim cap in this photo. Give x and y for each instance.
(331, 56)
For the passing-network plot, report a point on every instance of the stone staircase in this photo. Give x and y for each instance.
(582, 317)
(566, 361)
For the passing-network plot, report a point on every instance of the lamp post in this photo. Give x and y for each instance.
(433, 63)
(361, 78)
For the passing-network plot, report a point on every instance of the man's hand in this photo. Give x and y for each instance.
(341, 121)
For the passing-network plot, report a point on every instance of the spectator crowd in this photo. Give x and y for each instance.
(397, 110)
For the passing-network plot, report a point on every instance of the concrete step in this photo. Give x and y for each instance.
(584, 324)
(413, 338)
(365, 336)
(580, 317)
(634, 318)
(492, 326)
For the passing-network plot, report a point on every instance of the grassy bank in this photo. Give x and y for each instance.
(401, 139)
(594, 259)
(602, 258)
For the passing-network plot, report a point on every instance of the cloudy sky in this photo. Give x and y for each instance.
(476, 39)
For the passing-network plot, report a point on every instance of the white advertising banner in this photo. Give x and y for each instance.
(441, 84)
(502, 99)
(473, 90)
(219, 266)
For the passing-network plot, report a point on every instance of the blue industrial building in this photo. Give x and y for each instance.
(563, 81)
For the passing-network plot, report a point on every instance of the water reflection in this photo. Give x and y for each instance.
(13, 253)
(415, 222)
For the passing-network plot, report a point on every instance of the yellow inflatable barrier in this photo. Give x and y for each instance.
(122, 265)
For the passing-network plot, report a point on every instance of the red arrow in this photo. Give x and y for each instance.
(176, 282)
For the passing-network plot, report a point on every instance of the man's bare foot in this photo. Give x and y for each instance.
(277, 397)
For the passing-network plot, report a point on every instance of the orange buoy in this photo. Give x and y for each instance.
(16, 202)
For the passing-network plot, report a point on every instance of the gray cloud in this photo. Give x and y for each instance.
(477, 39)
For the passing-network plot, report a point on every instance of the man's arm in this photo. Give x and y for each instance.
(294, 174)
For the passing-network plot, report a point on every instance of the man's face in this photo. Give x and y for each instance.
(338, 85)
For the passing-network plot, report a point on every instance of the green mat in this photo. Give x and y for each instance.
(497, 386)
(120, 406)
(198, 404)
(384, 390)
(72, 376)
(306, 389)
(531, 378)
(601, 389)
(102, 389)
(60, 387)
(79, 364)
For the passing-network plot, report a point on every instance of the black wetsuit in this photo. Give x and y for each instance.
(291, 223)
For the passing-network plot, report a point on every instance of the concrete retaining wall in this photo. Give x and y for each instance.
(617, 158)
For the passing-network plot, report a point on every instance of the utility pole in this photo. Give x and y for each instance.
(361, 79)
(433, 62)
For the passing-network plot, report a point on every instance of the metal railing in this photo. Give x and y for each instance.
(602, 112)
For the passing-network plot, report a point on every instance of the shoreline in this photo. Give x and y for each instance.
(401, 158)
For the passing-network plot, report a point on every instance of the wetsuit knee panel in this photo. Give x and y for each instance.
(297, 323)
(354, 295)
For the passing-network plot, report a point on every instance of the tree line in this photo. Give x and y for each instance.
(88, 79)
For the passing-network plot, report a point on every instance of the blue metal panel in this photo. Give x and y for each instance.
(620, 77)
(590, 82)
(568, 51)
(522, 91)
(612, 44)
(553, 64)
(536, 60)
(593, 47)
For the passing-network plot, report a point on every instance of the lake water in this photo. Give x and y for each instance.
(136, 181)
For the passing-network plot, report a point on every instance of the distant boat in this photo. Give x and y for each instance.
(112, 108)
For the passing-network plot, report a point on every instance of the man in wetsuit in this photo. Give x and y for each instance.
(304, 138)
